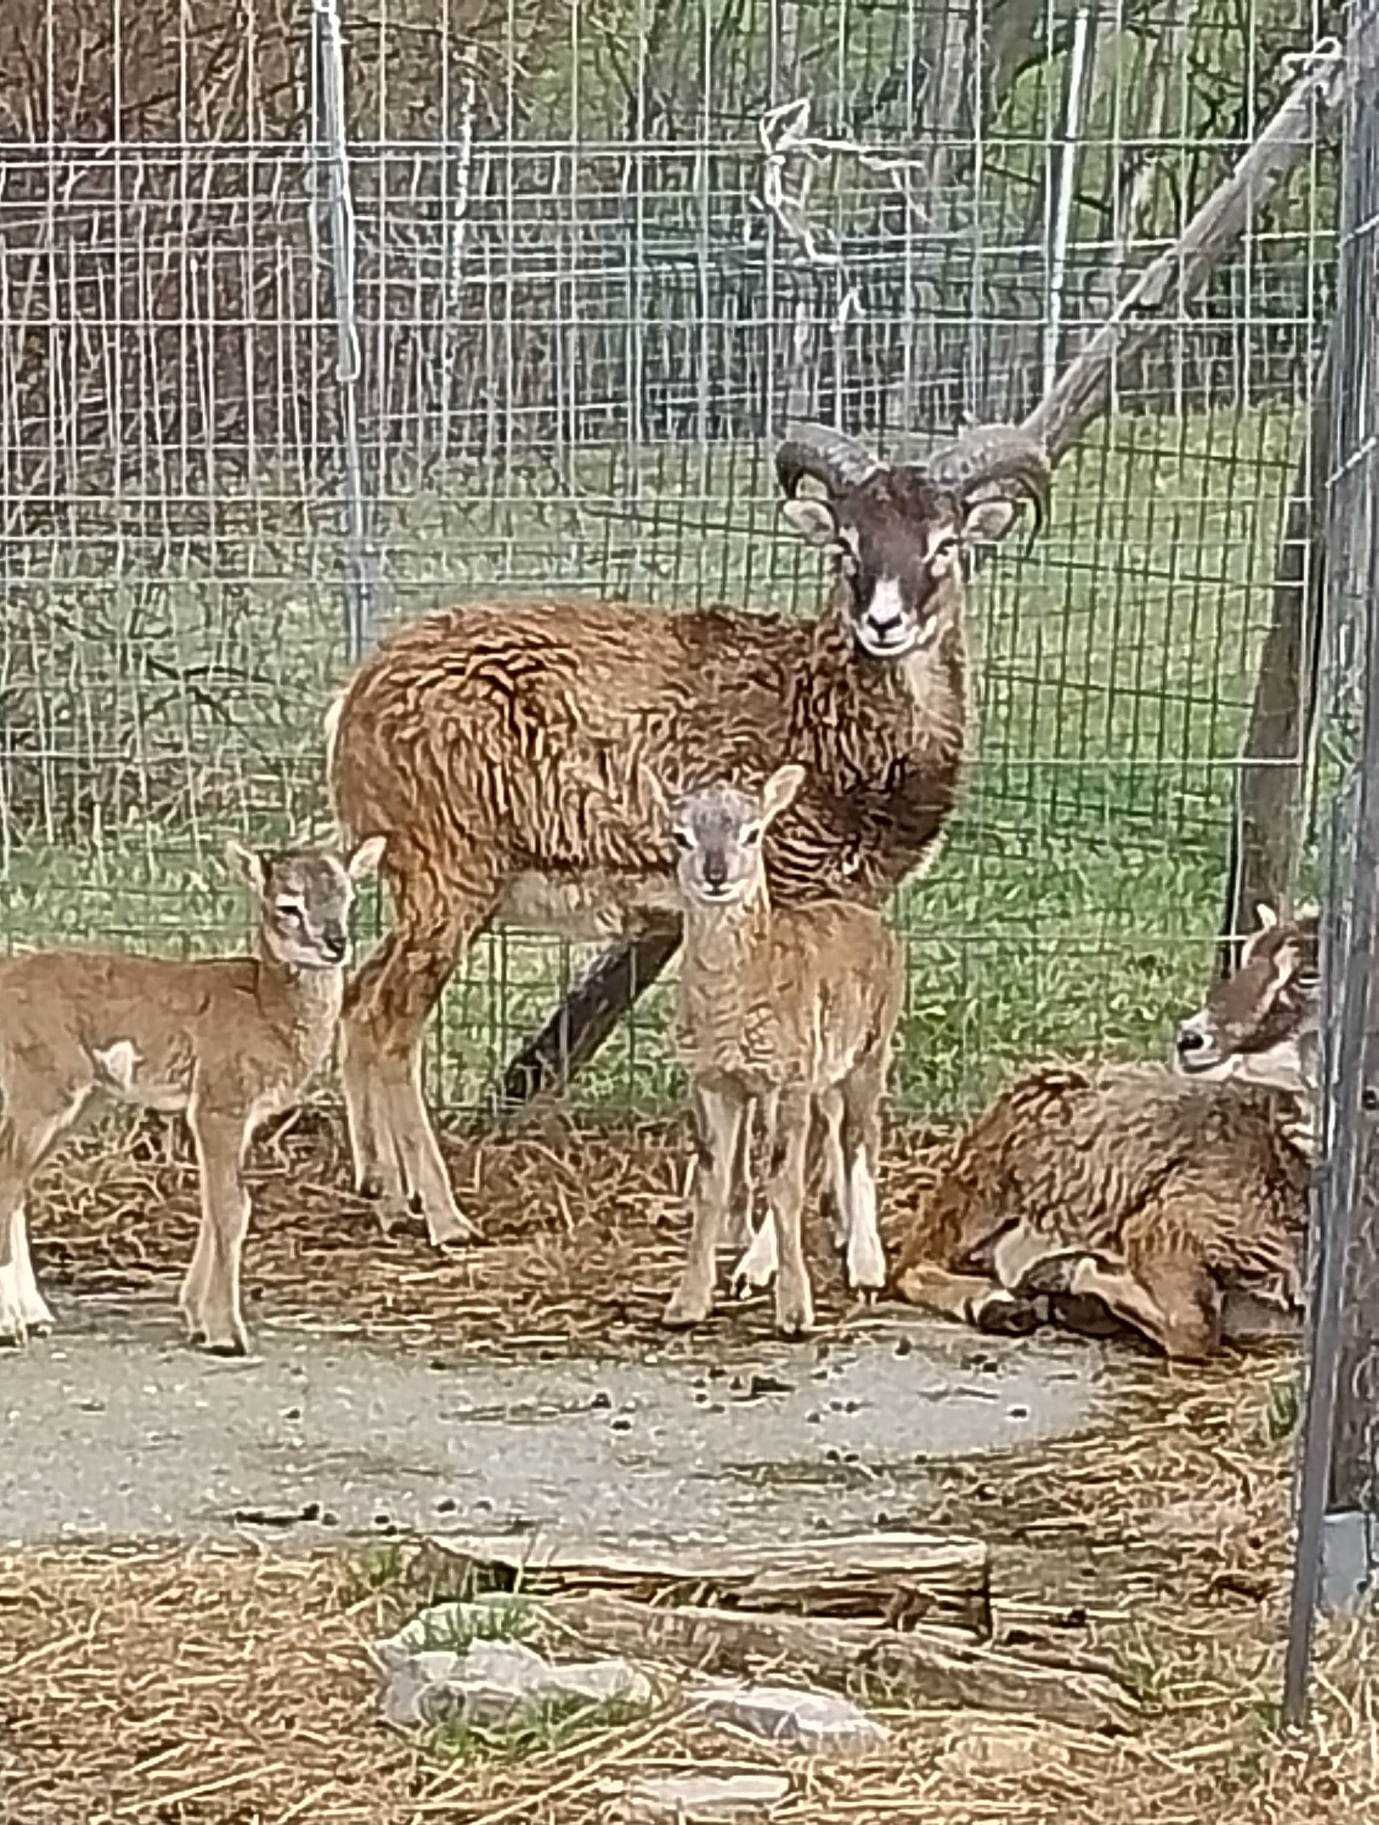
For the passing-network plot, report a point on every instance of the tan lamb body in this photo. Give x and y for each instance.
(1150, 1192)
(230, 1041)
(786, 1010)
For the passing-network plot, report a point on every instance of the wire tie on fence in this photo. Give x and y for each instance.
(1323, 57)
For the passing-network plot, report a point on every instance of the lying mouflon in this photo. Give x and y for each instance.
(1144, 1191)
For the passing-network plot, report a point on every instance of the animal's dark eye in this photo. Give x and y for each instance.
(289, 909)
(945, 546)
(752, 835)
(684, 839)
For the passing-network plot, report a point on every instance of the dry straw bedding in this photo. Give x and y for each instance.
(230, 1685)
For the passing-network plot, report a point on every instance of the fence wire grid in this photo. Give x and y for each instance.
(1338, 1507)
(315, 317)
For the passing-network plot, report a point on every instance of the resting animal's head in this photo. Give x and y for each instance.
(1260, 1024)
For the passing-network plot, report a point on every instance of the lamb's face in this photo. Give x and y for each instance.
(1260, 1024)
(305, 897)
(719, 832)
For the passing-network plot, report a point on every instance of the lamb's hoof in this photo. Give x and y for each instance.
(14, 1338)
(678, 1317)
(227, 1348)
(445, 1228)
(1003, 1315)
(795, 1321)
(742, 1288)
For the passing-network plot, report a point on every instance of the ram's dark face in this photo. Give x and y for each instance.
(1260, 1024)
(897, 542)
(897, 534)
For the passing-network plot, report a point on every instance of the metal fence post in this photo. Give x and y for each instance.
(1335, 1556)
(330, 148)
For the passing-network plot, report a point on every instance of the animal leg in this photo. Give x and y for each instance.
(1025, 1261)
(721, 1120)
(382, 1030)
(36, 1115)
(210, 1297)
(1177, 1306)
(33, 1308)
(739, 1228)
(861, 1150)
(969, 1298)
(794, 1296)
(829, 1107)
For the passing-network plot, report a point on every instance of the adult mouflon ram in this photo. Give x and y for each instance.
(506, 751)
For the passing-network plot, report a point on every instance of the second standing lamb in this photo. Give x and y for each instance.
(786, 1009)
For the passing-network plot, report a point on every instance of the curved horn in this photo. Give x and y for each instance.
(826, 455)
(995, 458)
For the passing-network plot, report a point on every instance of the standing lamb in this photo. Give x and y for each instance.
(229, 1040)
(503, 750)
(784, 1008)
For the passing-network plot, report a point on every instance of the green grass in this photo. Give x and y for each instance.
(539, 1730)
(1071, 911)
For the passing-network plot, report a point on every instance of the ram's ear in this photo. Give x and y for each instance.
(984, 522)
(248, 864)
(814, 520)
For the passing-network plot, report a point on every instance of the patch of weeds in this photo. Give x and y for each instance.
(378, 1569)
(540, 1729)
(1144, 1675)
(502, 1618)
(1283, 1408)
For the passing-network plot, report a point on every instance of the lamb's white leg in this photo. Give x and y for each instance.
(866, 1258)
(32, 1306)
(720, 1120)
(13, 1327)
(829, 1107)
(757, 1268)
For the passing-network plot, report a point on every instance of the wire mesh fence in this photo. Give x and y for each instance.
(597, 252)
(1338, 1531)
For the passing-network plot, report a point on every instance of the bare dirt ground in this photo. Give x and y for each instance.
(227, 1682)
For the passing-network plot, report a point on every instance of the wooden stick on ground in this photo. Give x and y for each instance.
(939, 1667)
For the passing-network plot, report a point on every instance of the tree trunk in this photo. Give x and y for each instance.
(1270, 788)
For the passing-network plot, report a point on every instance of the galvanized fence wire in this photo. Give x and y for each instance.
(1337, 1554)
(315, 316)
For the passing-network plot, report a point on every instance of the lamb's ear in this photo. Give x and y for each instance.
(779, 791)
(248, 864)
(813, 519)
(366, 857)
